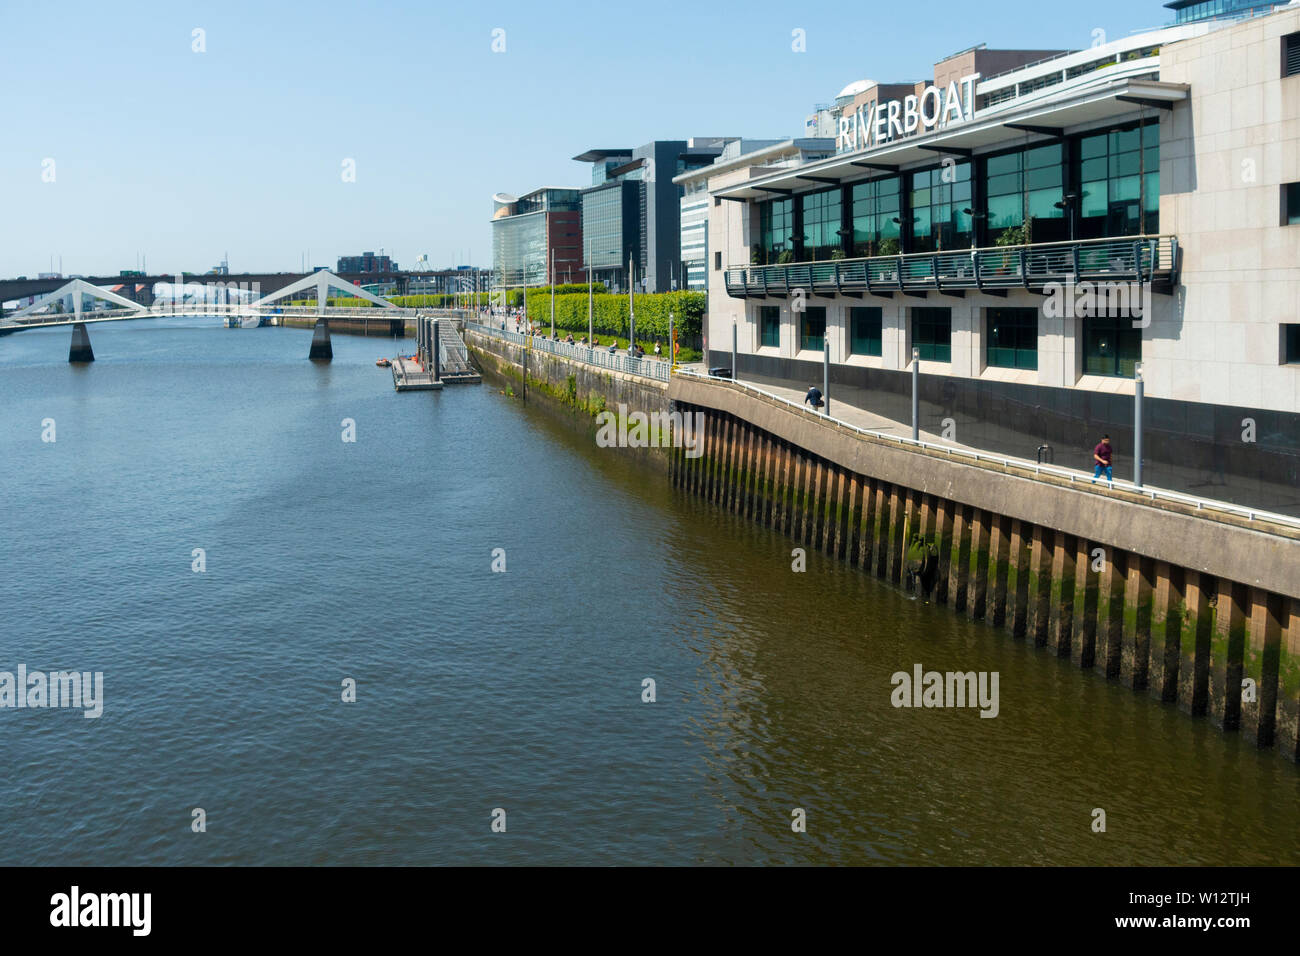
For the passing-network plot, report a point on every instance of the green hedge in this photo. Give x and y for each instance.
(512, 299)
(347, 302)
(610, 313)
(438, 301)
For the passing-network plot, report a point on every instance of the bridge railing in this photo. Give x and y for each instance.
(656, 369)
(215, 309)
(1082, 479)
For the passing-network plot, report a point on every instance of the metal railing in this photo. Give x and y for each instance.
(454, 353)
(1031, 266)
(1082, 480)
(657, 369)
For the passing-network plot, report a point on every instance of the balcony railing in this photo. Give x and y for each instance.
(1147, 259)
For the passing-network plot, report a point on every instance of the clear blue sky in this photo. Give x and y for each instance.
(183, 156)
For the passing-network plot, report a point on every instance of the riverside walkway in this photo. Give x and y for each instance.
(868, 423)
(655, 368)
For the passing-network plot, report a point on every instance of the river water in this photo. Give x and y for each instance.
(371, 560)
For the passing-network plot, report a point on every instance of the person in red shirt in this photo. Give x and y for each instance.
(1101, 459)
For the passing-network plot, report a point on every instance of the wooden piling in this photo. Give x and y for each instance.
(959, 557)
(1196, 621)
(1042, 542)
(1060, 621)
(1110, 613)
(1287, 722)
(1087, 583)
(1260, 667)
(977, 590)
(1166, 630)
(1227, 645)
(943, 539)
(1135, 634)
(1019, 553)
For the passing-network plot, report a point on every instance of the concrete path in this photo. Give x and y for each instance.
(1253, 493)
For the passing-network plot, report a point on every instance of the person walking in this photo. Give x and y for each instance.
(1101, 457)
(814, 397)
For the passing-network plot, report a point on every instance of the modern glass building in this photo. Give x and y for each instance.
(612, 231)
(695, 201)
(535, 232)
(650, 233)
(1192, 11)
(1038, 237)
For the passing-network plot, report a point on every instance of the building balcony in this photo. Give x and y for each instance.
(993, 270)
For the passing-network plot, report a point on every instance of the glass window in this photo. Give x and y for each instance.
(865, 331)
(1291, 45)
(1012, 338)
(602, 227)
(1291, 204)
(769, 326)
(938, 198)
(932, 334)
(776, 228)
(874, 209)
(812, 328)
(1024, 187)
(1291, 344)
(1119, 176)
(1111, 346)
(821, 223)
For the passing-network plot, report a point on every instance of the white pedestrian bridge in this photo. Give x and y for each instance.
(78, 303)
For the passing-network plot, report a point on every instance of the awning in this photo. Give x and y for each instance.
(993, 127)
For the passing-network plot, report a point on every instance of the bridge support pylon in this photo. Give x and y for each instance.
(80, 351)
(321, 349)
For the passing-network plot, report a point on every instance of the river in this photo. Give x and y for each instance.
(325, 560)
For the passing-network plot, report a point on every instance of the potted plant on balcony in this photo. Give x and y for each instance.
(756, 256)
(1013, 236)
(837, 254)
(786, 257)
(888, 247)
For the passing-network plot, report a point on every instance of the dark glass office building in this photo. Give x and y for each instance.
(1192, 11)
(636, 185)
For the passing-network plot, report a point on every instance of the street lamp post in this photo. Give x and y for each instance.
(1138, 389)
(916, 394)
(671, 339)
(734, 336)
(826, 369)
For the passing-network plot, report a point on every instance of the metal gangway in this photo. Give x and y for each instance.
(440, 347)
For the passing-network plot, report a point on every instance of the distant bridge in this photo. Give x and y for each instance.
(265, 282)
(50, 310)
